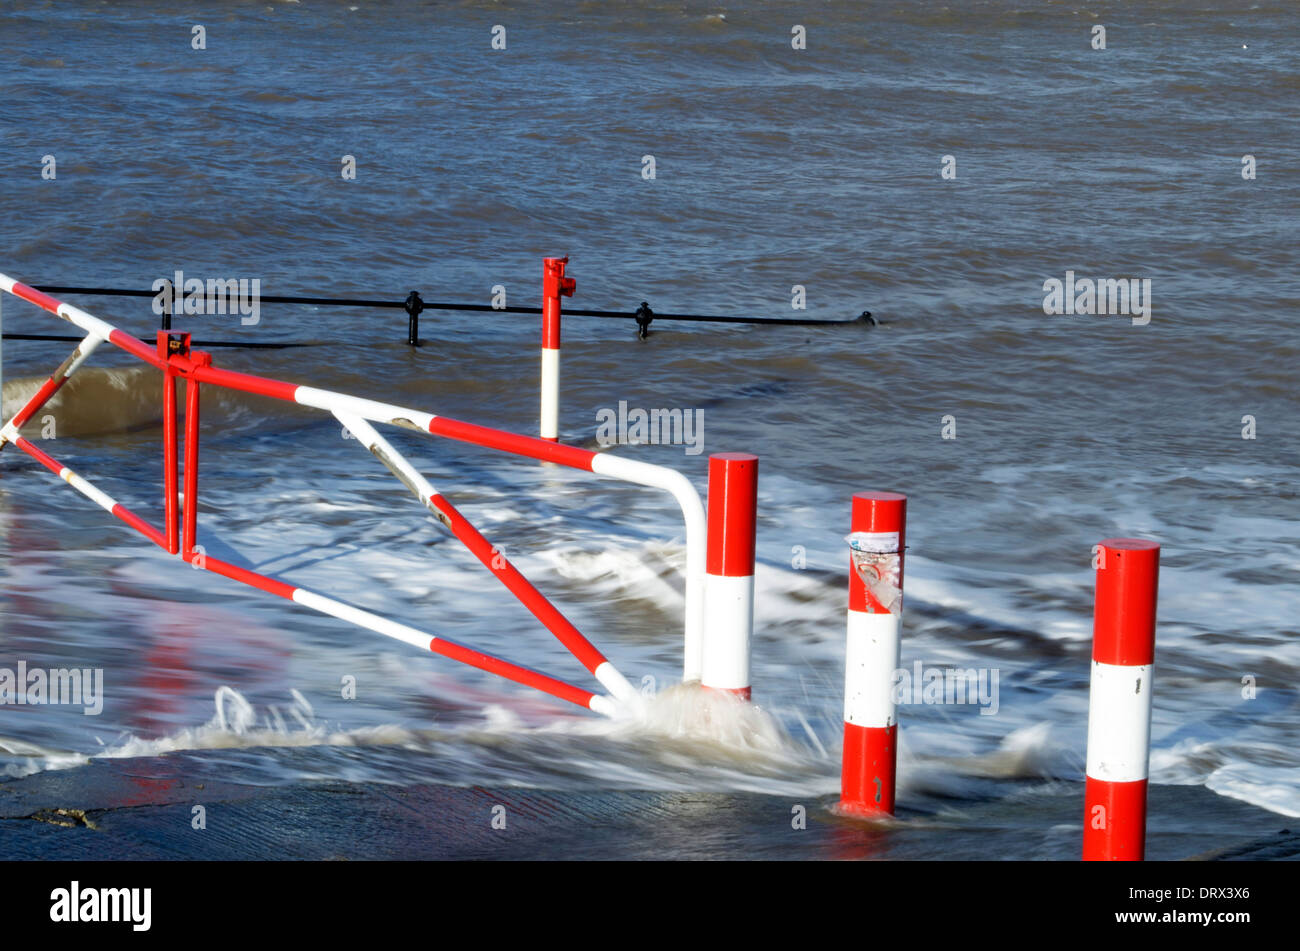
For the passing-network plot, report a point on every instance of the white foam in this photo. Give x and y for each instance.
(1275, 788)
(235, 725)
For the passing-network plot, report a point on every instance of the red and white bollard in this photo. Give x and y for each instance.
(554, 286)
(872, 653)
(1119, 701)
(729, 583)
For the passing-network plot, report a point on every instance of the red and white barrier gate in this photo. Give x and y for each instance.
(1119, 700)
(871, 655)
(173, 356)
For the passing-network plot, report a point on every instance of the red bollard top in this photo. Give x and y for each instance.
(554, 286)
(173, 342)
(1124, 620)
(554, 283)
(878, 512)
(733, 506)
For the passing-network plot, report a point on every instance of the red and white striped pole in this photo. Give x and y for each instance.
(871, 654)
(729, 582)
(554, 286)
(1119, 701)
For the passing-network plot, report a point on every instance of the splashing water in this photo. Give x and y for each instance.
(235, 724)
(713, 717)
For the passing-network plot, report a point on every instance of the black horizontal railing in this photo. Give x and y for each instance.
(414, 304)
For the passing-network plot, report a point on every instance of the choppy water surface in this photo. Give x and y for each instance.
(775, 167)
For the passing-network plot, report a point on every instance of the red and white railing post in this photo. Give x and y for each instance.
(1119, 700)
(871, 654)
(729, 582)
(554, 286)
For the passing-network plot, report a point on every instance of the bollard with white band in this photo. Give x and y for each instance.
(729, 585)
(1119, 700)
(871, 654)
(554, 286)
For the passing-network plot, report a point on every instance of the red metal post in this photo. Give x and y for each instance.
(190, 514)
(169, 343)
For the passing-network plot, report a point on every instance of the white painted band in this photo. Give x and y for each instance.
(617, 685)
(87, 322)
(550, 393)
(871, 656)
(1119, 722)
(728, 627)
(74, 315)
(603, 705)
(373, 622)
(366, 409)
(84, 350)
(102, 499)
(370, 438)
